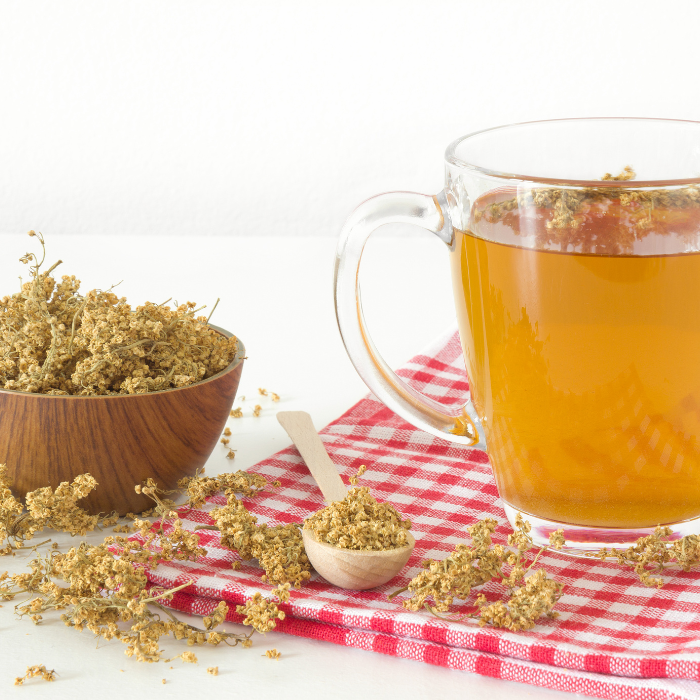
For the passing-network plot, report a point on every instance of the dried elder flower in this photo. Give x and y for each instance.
(36, 672)
(279, 549)
(359, 521)
(54, 340)
(262, 613)
(556, 539)
(471, 566)
(198, 488)
(45, 508)
(653, 553)
(104, 589)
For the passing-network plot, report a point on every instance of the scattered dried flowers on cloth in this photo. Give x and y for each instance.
(471, 566)
(278, 548)
(262, 613)
(55, 340)
(104, 588)
(653, 553)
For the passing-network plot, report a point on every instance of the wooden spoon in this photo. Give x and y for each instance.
(354, 569)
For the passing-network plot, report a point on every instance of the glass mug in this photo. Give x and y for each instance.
(575, 253)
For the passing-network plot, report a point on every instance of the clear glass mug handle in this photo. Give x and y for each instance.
(411, 405)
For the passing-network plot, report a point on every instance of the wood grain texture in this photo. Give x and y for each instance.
(120, 440)
(354, 569)
(301, 430)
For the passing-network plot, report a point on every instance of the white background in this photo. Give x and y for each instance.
(213, 149)
(261, 118)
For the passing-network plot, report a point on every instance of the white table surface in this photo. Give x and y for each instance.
(276, 295)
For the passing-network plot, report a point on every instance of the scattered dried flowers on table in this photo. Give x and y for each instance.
(262, 613)
(272, 654)
(55, 340)
(359, 521)
(213, 670)
(45, 508)
(101, 589)
(36, 672)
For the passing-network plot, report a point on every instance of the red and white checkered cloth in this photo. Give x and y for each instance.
(614, 638)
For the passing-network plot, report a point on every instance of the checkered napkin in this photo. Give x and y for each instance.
(614, 638)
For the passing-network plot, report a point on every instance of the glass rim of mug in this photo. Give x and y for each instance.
(451, 157)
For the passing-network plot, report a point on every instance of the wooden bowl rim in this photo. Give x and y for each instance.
(240, 356)
(362, 552)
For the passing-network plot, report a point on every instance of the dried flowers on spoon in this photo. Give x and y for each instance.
(359, 522)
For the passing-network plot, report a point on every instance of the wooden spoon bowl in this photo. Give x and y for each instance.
(121, 440)
(356, 569)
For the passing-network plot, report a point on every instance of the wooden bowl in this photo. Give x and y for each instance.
(355, 569)
(120, 440)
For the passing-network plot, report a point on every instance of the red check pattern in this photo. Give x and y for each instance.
(614, 637)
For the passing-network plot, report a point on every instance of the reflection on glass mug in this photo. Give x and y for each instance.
(575, 253)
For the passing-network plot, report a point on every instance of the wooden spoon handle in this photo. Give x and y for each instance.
(304, 436)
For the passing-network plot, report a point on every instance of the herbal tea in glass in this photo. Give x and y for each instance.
(583, 352)
(577, 295)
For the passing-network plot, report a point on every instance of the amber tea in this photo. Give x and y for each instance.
(575, 255)
(585, 371)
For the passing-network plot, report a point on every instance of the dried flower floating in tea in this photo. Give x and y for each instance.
(642, 212)
(54, 340)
